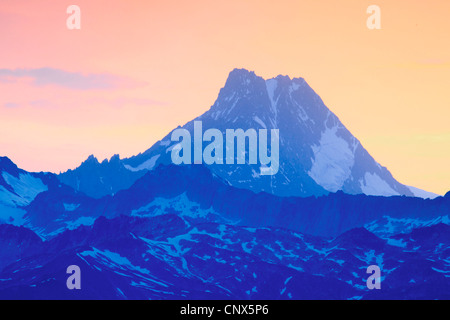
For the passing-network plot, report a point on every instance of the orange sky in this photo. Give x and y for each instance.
(153, 65)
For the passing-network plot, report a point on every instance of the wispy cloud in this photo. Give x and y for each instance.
(71, 80)
(125, 101)
(114, 102)
(10, 105)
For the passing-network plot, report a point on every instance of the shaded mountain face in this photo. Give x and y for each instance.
(18, 188)
(143, 228)
(317, 154)
(15, 243)
(167, 257)
(99, 179)
(194, 192)
(183, 232)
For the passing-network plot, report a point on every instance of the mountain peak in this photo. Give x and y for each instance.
(115, 159)
(6, 162)
(241, 72)
(241, 78)
(245, 77)
(99, 179)
(361, 237)
(317, 154)
(283, 78)
(91, 159)
(7, 165)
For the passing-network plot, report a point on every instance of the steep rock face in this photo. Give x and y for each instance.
(18, 188)
(183, 232)
(193, 191)
(16, 243)
(317, 153)
(99, 179)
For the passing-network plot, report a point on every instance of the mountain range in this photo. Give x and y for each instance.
(144, 228)
(318, 155)
(195, 191)
(174, 256)
(182, 232)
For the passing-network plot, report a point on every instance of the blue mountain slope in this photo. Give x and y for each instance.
(326, 216)
(318, 154)
(16, 243)
(194, 193)
(134, 258)
(183, 232)
(99, 179)
(18, 188)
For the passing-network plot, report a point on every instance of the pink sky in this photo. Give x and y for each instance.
(137, 69)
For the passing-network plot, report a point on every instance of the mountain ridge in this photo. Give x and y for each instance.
(194, 192)
(318, 154)
(134, 258)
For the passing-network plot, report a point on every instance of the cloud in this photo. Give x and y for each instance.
(114, 102)
(125, 101)
(70, 80)
(10, 105)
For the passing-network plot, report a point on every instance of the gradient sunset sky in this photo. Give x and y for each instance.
(138, 69)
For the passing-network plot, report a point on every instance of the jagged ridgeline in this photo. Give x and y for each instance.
(145, 228)
(317, 154)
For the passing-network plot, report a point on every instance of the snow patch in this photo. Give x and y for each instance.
(271, 86)
(26, 187)
(373, 185)
(397, 243)
(147, 165)
(388, 226)
(81, 221)
(181, 204)
(419, 193)
(114, 260)
(259, 121)
(165, 143)
(333, 161)
(70, 206)
(11, 215)
(294, 87)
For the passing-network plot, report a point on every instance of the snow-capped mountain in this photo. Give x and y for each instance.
(18, 188)
(317, 153)
(39, 201)
(144, 228)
